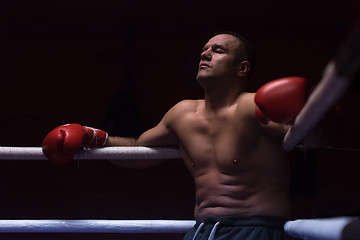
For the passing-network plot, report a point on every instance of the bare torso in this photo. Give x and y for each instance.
(237, 168)
(238, 165)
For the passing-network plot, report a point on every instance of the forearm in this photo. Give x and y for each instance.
(274, 129)
(159, 136)
(120, 141)
(130, 163)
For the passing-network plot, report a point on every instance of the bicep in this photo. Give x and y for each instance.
(160, 135)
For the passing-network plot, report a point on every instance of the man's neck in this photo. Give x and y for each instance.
(219, 98)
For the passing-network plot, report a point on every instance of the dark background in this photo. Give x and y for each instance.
(120, 65)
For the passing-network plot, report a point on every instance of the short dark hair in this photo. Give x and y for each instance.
(245, 51)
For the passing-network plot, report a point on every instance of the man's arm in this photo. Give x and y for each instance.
(274, 129)
(160, 135)
(315, 138)
(62, 142)
(120, 141)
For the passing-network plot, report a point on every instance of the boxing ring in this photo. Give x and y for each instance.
(337, 78)
(339, 228)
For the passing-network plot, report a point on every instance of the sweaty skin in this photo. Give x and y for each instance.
(238, 165)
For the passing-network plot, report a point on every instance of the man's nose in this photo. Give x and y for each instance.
(206, 55)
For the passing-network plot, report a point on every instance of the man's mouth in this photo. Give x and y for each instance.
(204, 65)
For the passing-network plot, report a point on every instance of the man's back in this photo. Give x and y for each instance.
(237, 168)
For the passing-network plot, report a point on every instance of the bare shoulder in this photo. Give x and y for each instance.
(185, 106)
(181, 109)
(247, 98)
(189, 104)
(271, 128)
(246, 104)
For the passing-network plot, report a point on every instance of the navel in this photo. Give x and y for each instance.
(235, 161)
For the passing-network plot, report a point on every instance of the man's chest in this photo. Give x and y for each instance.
(228, 126)
(220, 140)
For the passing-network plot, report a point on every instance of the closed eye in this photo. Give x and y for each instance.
(219, 48)
(216, 48)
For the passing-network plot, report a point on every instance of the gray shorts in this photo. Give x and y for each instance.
(231, 227)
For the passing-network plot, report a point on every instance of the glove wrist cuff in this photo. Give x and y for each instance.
(94, 137)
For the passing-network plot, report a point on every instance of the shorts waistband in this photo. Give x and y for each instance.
(265, 221)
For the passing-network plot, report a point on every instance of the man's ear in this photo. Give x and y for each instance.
(244, 68)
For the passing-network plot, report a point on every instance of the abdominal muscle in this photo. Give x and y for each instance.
(222, 195)
(256, 184)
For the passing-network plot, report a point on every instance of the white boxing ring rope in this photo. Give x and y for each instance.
(324, 229)
(338, 76)
(311, 229)
(95, 226)
(107, 153)
(330, 89)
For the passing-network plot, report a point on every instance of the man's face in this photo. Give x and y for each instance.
(218, 57)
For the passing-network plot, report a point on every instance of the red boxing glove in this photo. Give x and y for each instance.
(61, 143)
(280, 100)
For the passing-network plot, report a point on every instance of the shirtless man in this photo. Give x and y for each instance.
(240, 170)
